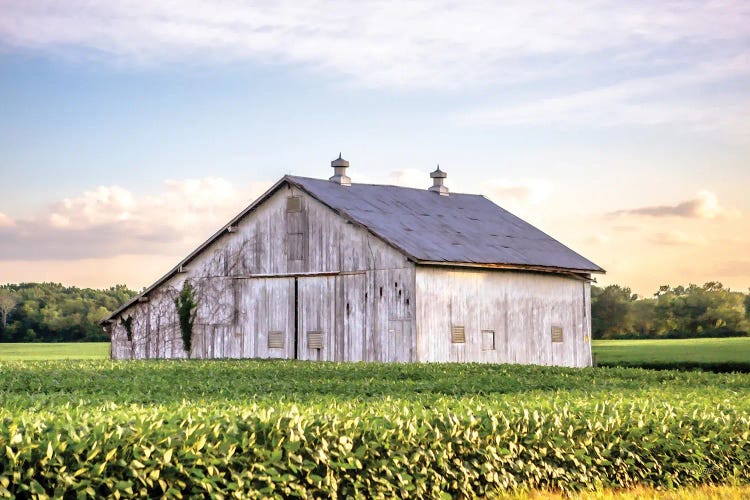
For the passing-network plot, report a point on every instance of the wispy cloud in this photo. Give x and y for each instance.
(677, 238)
(650, 100)
(704, 206)
(110, 220)
(404, 44)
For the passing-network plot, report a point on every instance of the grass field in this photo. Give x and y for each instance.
(729, 353)
(41, 352)
(284, 428)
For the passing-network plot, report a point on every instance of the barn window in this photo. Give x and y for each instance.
(488, 340)
(294, 204)
(276, 340)
(458, 335)
(557, 334)
(315, 340)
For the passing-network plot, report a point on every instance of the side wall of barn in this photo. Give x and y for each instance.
(502, 317)
(290, 268)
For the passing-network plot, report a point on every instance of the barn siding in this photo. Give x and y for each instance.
(246, 279)
(244, 283)
(521, 308)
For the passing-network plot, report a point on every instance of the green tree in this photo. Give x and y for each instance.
(51, 312)
(611, 311)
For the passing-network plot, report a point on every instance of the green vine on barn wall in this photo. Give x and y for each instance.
(127, 323)
(186, 305)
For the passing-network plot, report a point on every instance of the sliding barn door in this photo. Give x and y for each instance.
(267, 318)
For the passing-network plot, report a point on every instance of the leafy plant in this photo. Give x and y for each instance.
(279, 429)
(186, 304)
(127, 323)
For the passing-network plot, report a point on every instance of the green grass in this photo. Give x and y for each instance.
(729, 353)
(42, 352)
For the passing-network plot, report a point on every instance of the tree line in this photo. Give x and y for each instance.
(51, 312)
(710, 310)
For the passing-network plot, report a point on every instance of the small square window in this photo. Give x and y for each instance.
(488, 340)
(458, 335)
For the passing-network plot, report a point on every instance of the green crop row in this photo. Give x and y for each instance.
(463, 449)
(285, 429)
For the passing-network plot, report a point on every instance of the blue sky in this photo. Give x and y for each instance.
(169, 118)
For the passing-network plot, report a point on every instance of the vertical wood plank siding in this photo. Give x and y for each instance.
(239, 304)
(521, 308)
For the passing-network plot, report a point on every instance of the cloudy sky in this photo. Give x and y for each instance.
(131, 130)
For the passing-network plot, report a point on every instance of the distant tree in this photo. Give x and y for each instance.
(711, 310)
(8, 301)
(51, 312)
(610, 310)
(644, 318)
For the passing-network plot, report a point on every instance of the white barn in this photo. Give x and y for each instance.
(338, 271)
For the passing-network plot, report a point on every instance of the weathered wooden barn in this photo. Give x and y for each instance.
(339, 271)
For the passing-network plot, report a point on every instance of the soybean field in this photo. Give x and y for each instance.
(304, 429)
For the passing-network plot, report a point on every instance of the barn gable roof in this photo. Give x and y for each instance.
(455, 229)
(460, 229)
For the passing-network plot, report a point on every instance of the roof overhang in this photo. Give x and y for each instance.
(579, 273)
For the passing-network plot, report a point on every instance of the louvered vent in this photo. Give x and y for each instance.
(276, 340)
(458, 335)
(315, 340)
(557, 334)
(294, 204)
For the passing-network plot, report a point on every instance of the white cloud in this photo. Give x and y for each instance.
(110, 220)
(406, 44)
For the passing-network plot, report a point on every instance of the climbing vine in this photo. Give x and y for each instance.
(186, 305)
(127, 323)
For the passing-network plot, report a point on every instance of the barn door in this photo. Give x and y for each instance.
(267, 318)
(316, 321)
(351, 318)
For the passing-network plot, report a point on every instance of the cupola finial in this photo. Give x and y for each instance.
(339, 171)
(438, 177)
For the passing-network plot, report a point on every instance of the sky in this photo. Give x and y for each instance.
(131, 130)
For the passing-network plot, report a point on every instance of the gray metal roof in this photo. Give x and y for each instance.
(460, 228)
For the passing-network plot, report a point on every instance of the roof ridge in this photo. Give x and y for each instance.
(381, 185)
